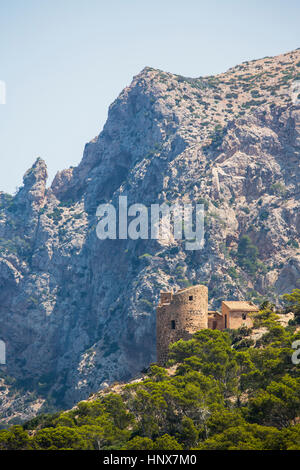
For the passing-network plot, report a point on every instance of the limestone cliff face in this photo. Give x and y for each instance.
(77, 312)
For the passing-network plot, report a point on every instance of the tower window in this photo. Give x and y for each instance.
(190, 297)
(173, 325)
(244, 316)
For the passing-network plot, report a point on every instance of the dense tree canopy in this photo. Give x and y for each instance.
(215, 393)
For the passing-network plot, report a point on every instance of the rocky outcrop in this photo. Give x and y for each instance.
(77, 312)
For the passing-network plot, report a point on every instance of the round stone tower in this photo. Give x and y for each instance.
(178, 316)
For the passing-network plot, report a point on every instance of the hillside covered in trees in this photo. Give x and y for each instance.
(230, 390)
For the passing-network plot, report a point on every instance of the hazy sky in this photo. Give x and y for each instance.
(65, 61)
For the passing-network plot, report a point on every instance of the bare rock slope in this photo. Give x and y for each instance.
(77, 312)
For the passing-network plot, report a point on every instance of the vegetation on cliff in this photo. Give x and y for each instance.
(216, 393)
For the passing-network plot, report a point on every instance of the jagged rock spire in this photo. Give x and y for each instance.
(32, 192)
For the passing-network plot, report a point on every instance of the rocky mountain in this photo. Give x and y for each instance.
(77, 312)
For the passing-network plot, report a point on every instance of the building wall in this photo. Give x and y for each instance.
(215, 322)
(235, 318)
(179, 316)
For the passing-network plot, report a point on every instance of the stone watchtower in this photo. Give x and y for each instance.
(178, 316)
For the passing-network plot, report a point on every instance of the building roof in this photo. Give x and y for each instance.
(241, 305)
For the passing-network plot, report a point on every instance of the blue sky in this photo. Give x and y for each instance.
(65, 61)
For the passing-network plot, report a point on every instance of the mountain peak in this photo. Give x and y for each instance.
(37, 173)
(31, 195)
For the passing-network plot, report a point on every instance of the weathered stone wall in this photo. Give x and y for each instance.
(165, 297)
(216, 322)
(186, 313)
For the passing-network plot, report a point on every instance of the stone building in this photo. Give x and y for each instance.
(236, 313)
(215, 320)
(180, 315)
